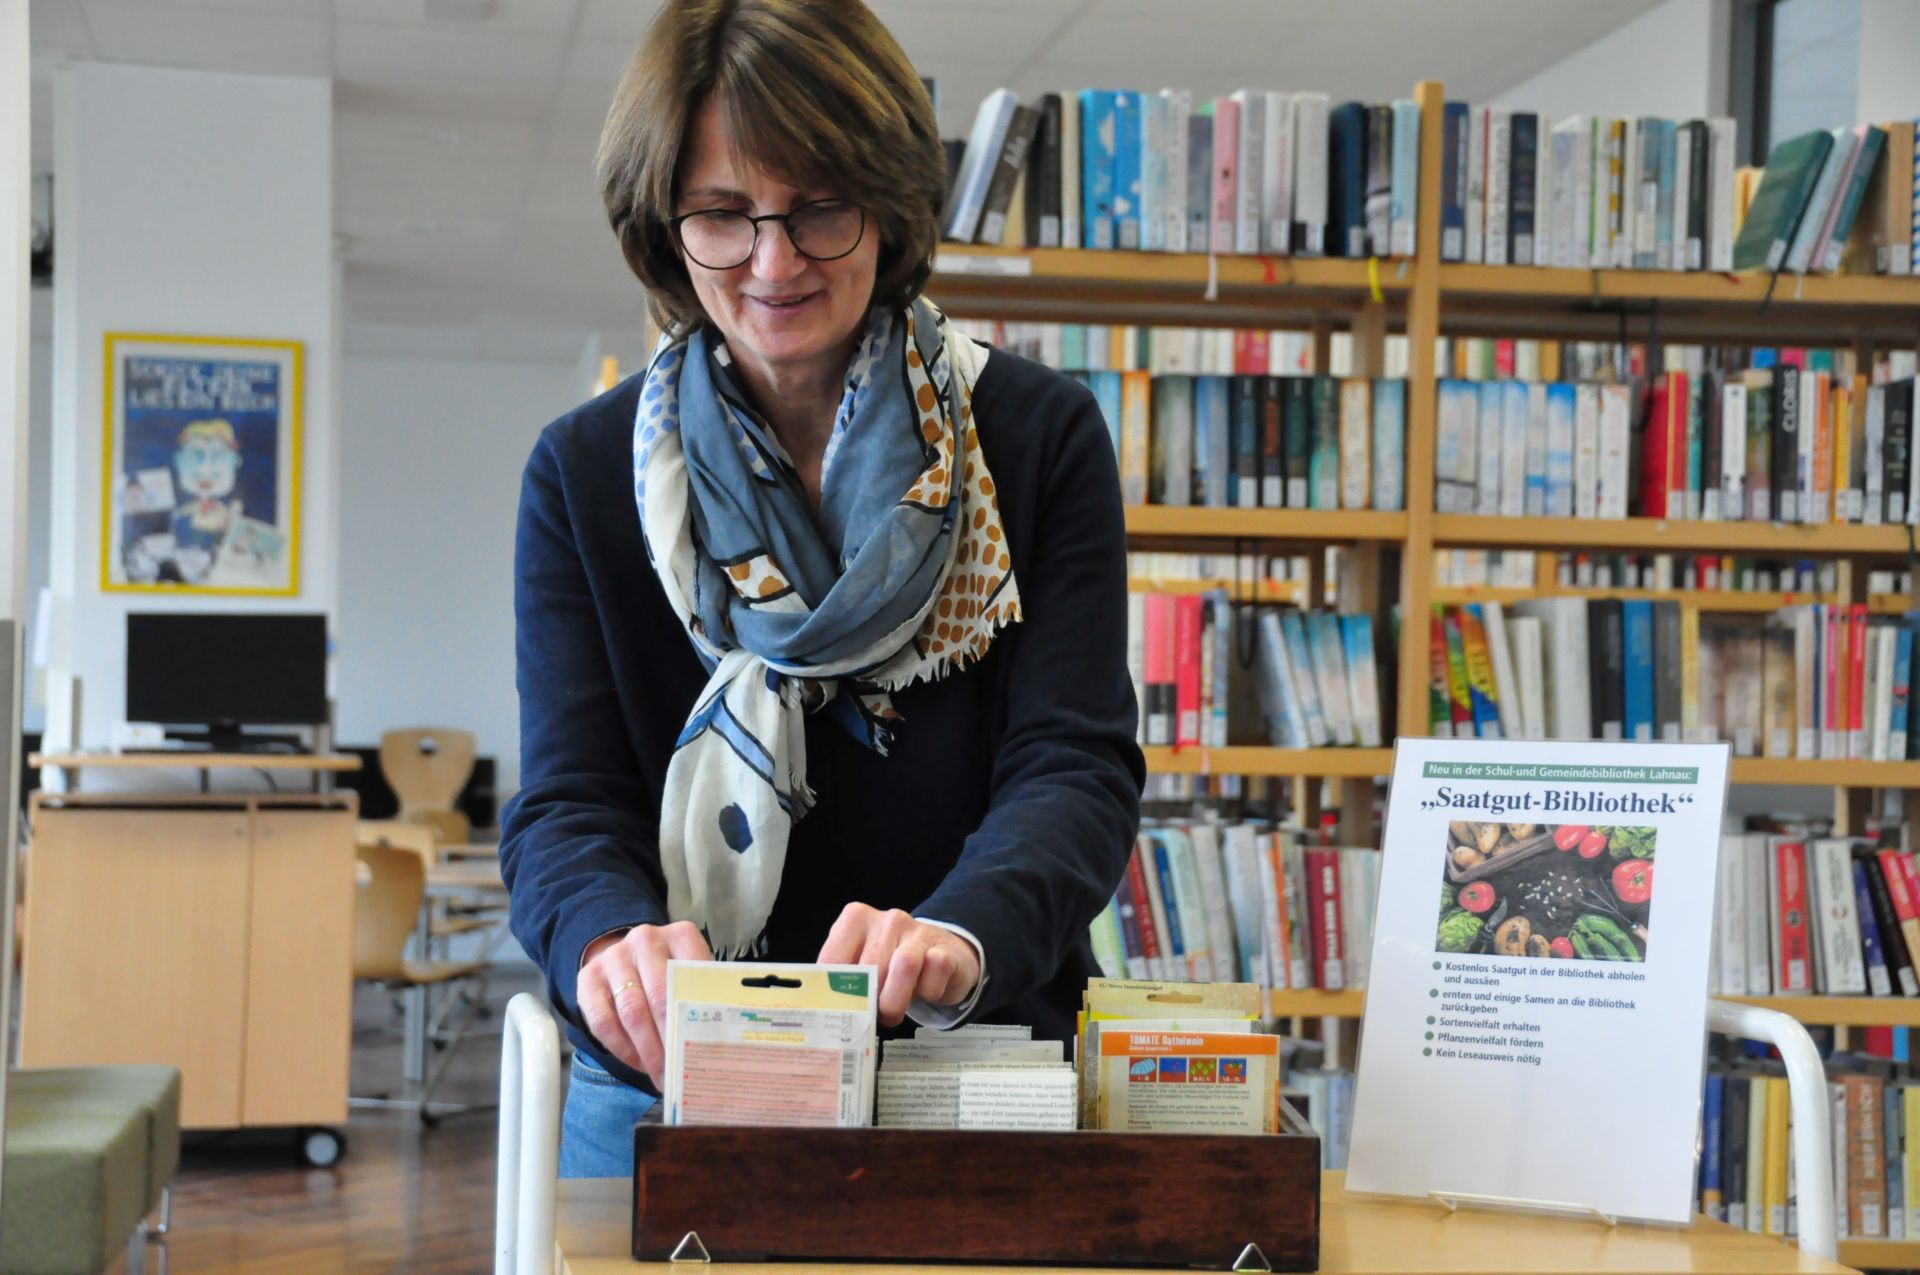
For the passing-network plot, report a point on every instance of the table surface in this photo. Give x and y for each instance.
(192, 759)
(1357, 1234)
(465, 874)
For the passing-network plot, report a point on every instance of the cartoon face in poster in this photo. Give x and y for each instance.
(203, 469)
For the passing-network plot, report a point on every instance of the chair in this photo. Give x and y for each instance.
(427, 766)
(386, 914)
(447, 920)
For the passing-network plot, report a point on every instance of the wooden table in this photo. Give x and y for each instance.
(1384, 1237)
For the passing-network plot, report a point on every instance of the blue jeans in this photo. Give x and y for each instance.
(596, 1128)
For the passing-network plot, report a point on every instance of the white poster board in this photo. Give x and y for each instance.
(1536, 1011)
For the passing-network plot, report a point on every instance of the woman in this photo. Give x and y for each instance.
(839, 673)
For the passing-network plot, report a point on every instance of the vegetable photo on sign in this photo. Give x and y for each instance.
(1552, 892)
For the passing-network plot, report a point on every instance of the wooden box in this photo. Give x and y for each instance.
(913, 1195)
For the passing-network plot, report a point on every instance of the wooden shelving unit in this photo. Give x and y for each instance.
(1723, 600)
(1315, 526)
(1243, 591)
(1880, 1254)
(1772, 539)
(1348, 763)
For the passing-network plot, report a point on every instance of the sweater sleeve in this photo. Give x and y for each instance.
(1067, 772)
(579, 846)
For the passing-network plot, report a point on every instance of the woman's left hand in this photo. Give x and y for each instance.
(916, 960)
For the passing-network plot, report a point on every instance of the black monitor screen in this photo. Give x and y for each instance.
(250, 670)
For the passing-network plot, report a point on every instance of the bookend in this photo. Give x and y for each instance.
(927, 1195)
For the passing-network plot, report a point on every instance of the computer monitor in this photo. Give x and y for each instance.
(222, 670)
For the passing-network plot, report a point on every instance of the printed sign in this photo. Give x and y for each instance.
(1536, 1008)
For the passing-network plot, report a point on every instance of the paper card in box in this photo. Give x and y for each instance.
(752, 1043)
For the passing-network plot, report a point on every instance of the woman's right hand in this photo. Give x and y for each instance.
(622, 991)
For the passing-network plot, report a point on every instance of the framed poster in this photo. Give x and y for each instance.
(201, 489)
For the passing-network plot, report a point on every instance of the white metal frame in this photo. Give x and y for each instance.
(529, 1139)
(1807, 1097)
(530, 1128)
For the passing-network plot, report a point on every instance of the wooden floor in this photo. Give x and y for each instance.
(404, 1198)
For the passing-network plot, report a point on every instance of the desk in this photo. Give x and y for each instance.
(1388, 1237)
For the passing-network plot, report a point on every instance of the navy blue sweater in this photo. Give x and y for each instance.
(1009, 800)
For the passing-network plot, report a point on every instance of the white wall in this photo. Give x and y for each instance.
(1889, 43)
(431, 454)
(185, 202)
(1670, 62)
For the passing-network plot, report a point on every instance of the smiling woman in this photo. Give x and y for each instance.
(868, 701)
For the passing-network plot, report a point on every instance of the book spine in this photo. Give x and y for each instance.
(1199, 193)
(1271, 401)
(1793, 973)
(1276, 194)
(1186, 656)
(1722, 142)
(1249, 169)
(1476, 185)
(1162, 885)
(1323, 904)
(1356, 446)
(1389, 444)
(1179, 131)
(1127, 170)
(1404, 212)
(1151, 205)
(1324, 467)
(1872, 944)
(1311, 142)
(1499, 179)
(1711, 1106)
(1160, 671)
(1097, 159)
(1143, 912)
(1226, 157)
(1453, 182)
(1905, 940)
(1523, 163)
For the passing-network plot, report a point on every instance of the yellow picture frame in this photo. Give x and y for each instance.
(201, 465)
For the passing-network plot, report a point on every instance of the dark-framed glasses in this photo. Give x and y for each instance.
(720, 239)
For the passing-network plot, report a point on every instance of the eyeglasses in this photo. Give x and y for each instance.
(721, 239)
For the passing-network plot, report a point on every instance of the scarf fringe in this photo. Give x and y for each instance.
(954, 661)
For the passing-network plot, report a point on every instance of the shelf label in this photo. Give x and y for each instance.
(968, 263)
(1529, 989)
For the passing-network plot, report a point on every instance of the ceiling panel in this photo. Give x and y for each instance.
(381, 52)
(550, 16)
(213, 39)
(58, 26)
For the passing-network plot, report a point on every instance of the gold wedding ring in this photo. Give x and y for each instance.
(623, 987)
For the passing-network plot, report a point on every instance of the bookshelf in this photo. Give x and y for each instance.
(1425, 299)
(1723, 600)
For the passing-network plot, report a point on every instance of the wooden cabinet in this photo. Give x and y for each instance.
(212, 934)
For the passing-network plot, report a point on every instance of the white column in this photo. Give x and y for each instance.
(194, 203)
(15, 100)
(1889, 39)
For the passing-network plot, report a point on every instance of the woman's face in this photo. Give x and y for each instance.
(779, 309)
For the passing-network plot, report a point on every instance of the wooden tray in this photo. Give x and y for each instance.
(1522, 851)
(913, 1195)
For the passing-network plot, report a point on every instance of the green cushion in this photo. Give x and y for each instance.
(152, 1089)
(74, 1188)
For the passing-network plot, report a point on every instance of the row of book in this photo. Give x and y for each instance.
(1780, 444)
(1653, 572)
(1833, 199)
(1207, 901)
(1257, 442)
(1253, 171)
(1162, 350)
(1518, 188)
(1312, 678)
(1810, 681)
(1746, 1173)
(1800, 913)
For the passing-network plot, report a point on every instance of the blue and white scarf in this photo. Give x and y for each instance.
(903, 577)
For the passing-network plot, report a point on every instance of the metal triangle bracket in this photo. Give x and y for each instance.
(691, 1241)
(1252, 1259)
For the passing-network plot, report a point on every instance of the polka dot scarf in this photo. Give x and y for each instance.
(903, 576)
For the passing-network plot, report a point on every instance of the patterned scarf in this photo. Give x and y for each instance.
(903, 576)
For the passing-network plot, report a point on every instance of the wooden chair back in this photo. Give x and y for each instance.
(426, 766)
(400, 834)
(386, 910)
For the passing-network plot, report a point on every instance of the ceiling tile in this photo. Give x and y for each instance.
(519, 16)
(58, 26)
(622, 21)
(372, 51)
(245, 40)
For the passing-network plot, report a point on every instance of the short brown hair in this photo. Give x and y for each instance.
(817, 91)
